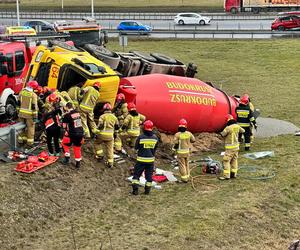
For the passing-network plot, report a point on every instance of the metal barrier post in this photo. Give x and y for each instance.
(13, 138)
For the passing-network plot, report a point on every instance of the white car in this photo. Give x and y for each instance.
(191, 18)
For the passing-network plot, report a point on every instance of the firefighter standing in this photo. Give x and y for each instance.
(52, 123)
(132, 123)
(75, 94)
(182, 145)
(28, 111)
(245, 119)
(73, 134)
(89, 100)
(251, 106)
(104, 143)
(230, 159)
(120, 110)
(146, 145)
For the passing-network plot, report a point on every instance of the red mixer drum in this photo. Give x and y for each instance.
(165, 99)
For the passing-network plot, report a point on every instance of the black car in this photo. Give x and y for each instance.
(45, 26)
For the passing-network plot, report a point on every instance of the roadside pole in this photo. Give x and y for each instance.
(18, 13)
(92, 3)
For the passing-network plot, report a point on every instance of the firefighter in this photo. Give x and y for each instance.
(132, 123)
(251, 106)
(120, 110)
(28, 111)
(51, 120)
(230, 159)
(62, 98)
(73, 134)
(245, 119)
(104, 144)
(89, 100)
(146, 145)
(182, 146)
(75, 94)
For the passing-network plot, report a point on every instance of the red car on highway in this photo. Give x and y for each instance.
(286, 23)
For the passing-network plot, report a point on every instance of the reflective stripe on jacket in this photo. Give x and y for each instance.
(90, 98)
(183, 140)
(133, 124)
(29, 105)
(231, 134)
(146, 145)
(106, 125)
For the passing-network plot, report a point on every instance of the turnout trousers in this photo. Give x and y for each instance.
(88, 122)
(53, 133)
(230, 163)
(105, 148)
(184, 167)
(30, 130)
(139, 168)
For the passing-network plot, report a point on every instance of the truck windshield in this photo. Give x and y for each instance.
(83, 37)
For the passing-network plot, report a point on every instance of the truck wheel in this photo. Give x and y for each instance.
(281, 28)
(110, 58)
(11, 108)
(233, 10)
(202, 22)
(143, 56)
(181, 22)
(163, 58)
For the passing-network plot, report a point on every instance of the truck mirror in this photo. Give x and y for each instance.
(3, 70)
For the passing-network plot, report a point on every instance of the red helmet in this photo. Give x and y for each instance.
(120, 97)
(53, 97)
(46, 89)
(229, 117)
(33, 84)
(107, 106)
(131, 106)
(183, 123)
(244, 99)
(43, 156)
(148, 125)
(39, 90)
(97, 85)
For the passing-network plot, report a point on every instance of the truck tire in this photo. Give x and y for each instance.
(11, 108)
(143, 56)
(108, 57)
(233, 10)
(163, 58)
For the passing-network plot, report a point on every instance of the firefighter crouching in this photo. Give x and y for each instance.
(230, 158)
(131, 124)
(90, 98)
(120, 110)
(245, 119)
(73, 134)
(182, 144)
(75, 94)
(146, 145)
(104, 143)
(51, 120)
(28, 111)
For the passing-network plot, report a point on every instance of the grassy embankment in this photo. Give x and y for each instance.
(128, 5)
(240, 214)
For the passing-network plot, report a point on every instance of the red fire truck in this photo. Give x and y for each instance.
(256, 6)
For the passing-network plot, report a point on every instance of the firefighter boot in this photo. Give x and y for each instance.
(147, 190)
(66, 160)
(77, 165)
(135, 189)
(232, 175)
(247, 148)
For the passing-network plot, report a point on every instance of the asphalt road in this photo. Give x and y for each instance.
(169, 25)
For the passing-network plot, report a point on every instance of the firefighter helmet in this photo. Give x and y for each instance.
(97, 85)
(131, 106)
(43, 156)
(107, 106)
(39, 90)
(148, 125)
(46, 89)
(244, 99)
(229, 117)
(120, 97)
(53, 97)
(33, 159)
(183, 123)
(33, 84)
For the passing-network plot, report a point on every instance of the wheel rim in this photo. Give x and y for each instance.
(10, 111)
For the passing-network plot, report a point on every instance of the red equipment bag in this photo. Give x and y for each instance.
(159, 178)
(32, 165)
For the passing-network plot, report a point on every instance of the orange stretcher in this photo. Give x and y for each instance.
(29, 167)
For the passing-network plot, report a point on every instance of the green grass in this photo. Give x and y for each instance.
(150, 5)
(240, 214)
